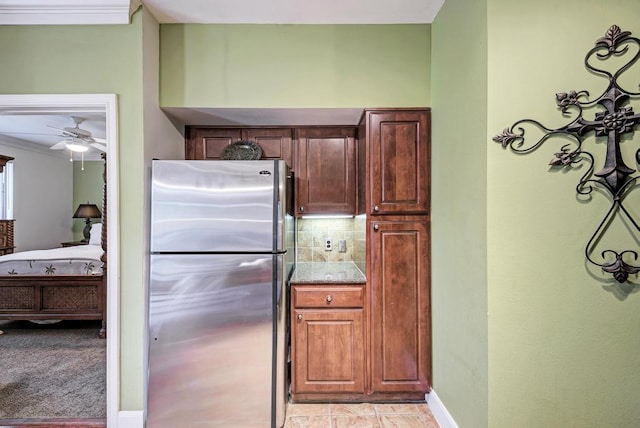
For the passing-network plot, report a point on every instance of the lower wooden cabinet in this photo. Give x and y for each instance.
(329, 351)
(368, 343)
(400, 306)
(327, 342)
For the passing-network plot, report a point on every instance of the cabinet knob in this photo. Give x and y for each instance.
(376, 227)
(301, 209)
(299, 316)
(376, 208)
(329, 299)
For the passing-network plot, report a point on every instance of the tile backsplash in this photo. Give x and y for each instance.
(312, 234)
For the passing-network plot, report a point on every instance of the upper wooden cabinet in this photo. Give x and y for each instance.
(208, 142)
(399, 156)
(326, 170)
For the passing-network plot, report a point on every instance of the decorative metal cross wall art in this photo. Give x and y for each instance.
(614, 118)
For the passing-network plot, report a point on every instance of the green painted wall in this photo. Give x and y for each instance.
(459, 210)
(563, 338)
(97, 59)
(87, 187)
(286, 66)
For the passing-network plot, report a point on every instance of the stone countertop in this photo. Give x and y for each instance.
(328, 273)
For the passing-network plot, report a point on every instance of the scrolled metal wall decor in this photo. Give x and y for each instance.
(614, 119)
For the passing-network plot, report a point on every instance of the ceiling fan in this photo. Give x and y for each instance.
(77, 139)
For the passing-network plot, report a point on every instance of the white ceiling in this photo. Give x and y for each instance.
(38, 127)
(294, 11)
(88, 12)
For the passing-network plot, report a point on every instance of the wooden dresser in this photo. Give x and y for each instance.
(6, 237)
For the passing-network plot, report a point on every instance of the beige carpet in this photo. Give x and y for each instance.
(52, 370)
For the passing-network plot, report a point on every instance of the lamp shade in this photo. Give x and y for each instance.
(87, 211)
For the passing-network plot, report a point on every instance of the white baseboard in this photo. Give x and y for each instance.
(440, 412)
(130, 419)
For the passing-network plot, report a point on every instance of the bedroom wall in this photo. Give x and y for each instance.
(87, 187)
(42, 200)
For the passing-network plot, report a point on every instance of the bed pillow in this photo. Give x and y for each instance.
(95, 236)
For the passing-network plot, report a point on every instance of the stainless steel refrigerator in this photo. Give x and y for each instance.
(222, 251)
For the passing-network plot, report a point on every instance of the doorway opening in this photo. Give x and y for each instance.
(107, 104)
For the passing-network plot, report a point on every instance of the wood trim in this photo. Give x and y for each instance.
(36, 291)
(103, 240)
(54, 423)
(3, 161)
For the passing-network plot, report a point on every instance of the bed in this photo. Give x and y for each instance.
(59, 283)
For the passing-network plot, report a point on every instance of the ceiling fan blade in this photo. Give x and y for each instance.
(53, 127)
(23, 133)
(59, 146)
(99, 140)
(65, 132)
(98, 146)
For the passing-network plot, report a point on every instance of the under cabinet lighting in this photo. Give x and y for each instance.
(315, 216)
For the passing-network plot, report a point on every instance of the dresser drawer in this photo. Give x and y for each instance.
(327, 297)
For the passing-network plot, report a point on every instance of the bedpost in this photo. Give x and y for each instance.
(103, 239)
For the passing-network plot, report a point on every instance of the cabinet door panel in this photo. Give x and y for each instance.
(401, 355)
(326, 171)
(399, 149)
(276, 143)
(328, 351)
(208, 143)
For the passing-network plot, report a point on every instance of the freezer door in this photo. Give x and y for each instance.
(217, 206)
(211, 341)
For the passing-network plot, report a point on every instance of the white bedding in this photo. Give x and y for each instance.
(77, 260)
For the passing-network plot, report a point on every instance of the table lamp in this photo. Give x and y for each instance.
(87, 211)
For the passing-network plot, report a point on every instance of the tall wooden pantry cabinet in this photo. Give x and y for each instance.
(397, 184)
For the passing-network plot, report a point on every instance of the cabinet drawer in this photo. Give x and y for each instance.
(328, 297)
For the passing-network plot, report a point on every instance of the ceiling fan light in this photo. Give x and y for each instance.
(76, 147)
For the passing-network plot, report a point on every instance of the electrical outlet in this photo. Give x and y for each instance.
(342, 246)
(328, 244)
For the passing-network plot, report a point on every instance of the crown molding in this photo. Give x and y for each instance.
(65, 12)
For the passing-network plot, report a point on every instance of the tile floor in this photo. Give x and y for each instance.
(362, 415)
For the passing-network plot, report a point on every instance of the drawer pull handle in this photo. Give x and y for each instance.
(299, 317)
(301, 209)
(376, 208)
(376, 227)
(329, 299)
